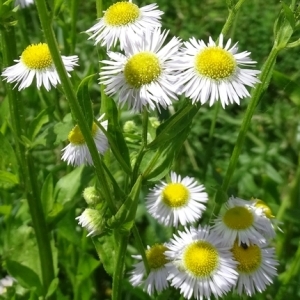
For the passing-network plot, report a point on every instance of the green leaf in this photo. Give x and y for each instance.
(52, 288)
(5, 210)
(7, 177)
(286, 83)
(62, 129)
(25, 276)
(174, 125)
(47, 194)
(84, 100)
(288, 14)
(8, 159)
(156, 164)
(37, 123)
(86, 266)
(65, 192)
(105, 248)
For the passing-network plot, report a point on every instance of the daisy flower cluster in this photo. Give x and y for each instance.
(150, 73)
(231, 254)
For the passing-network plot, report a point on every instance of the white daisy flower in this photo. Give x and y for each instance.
(177, 203)
(76, 153)
(239, 221)
(92, 220)
(23, 3)
(157, 278)
(264, 212)
(124, 20)
(36, 61)
(256, 267)
(200, 265)
(144, 75)
(213, 72)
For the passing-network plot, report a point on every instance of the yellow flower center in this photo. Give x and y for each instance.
(121, 13)
(215, 63)
(266, 209)
(238, 218)
(156, 257)
(37, 56)
(248, 257)
(201, 259)
(142, 68)
(75, 136)
(175, 195)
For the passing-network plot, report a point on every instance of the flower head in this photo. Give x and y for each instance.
(124, 20)
(145, 74)
(239, 221)
(76, 152)
(213, 72)
(36, 61)
(23, 3)
(256, 267)
(177, 203)
(92, 220)
(200, 265)
(157, 278)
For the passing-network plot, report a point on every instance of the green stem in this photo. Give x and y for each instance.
(27, 168)
(210, 138)
(140, 247)
(99, 7)
(231, 17)
(145, 127)
(122, 241)
(256, 95)
(71, 97)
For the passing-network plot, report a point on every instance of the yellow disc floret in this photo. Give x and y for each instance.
(142, 68)
(37, 56)
(215, 63)
(175, 195)
(201, 259)
(238, 218)
(248, 258)
(156, 257)
(75, 136)
(121, 13)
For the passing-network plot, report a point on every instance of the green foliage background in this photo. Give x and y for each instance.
(268, 166)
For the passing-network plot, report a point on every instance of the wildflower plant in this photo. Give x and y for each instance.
(121, 143)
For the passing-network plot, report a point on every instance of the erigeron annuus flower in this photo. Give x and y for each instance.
(92, 220)
(36, 61)
(76, 152)
(124, 21)
(264, 213)
(157, 278)
(177, 203)
(200, 265)
(145, 74)
(256, 267)
(239, 221)
(213, 72)
(24, 3)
